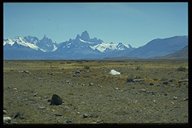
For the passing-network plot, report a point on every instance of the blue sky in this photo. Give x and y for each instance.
(130, 23)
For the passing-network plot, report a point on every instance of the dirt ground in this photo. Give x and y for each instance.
(146, 91)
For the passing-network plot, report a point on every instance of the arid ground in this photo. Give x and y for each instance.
(146, 91)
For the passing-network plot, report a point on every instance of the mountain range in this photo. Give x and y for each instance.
(180, 54)
(85, 47)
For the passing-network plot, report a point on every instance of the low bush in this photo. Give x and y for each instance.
(181, 68)
(86, 67)
(138, 68)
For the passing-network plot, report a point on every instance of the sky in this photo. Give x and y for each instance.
(129, 23)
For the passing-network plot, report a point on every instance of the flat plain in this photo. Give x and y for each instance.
(146, 91)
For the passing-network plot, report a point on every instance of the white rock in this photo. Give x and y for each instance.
(4, 112)
(143, 90)
(6, 119)
(15, 89)
(175, 98)
(90, 84)
(41, 107)
(113, 72)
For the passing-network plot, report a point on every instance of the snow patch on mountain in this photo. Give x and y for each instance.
(31, 39)
(44, 45)
(8, 41)
(110, 46)
(54, 48)
(87, 42)
(20, 41)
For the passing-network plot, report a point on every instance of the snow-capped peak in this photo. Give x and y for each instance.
(20, 41)
(108, 46)
(8, 41)
(45, 45)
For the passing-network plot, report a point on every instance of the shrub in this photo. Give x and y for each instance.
(86, 67)
(181, 68)
(138, 68)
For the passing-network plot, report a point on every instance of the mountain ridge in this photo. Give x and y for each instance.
(85, 47)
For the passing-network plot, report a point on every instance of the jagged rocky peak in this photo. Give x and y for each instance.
(45, 39)
(130, 46)
(77, 37)
(31, 39)
(85, 35)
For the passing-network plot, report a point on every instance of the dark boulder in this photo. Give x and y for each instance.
(56, 100)
(165, 82)
(18, 115)
(130, 80)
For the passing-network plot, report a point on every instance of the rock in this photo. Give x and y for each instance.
(138, 80)
(56, 100)
(35, 94)
(68, 121)
(165, 82)
(130, 80)
(143, 90)
(15, 89)
(113, 72)
(41, 107)
(76, 73)
(18, 115)
(86, 115)
(185, 99)
(67, 81)
(4, 112)
(90, 84)
(27, 72)
(184, 80)
(100, 86)
(57, 114)
(150, 92)
(171, 80)
(174, 98)
(151, 83)
(6, 119)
